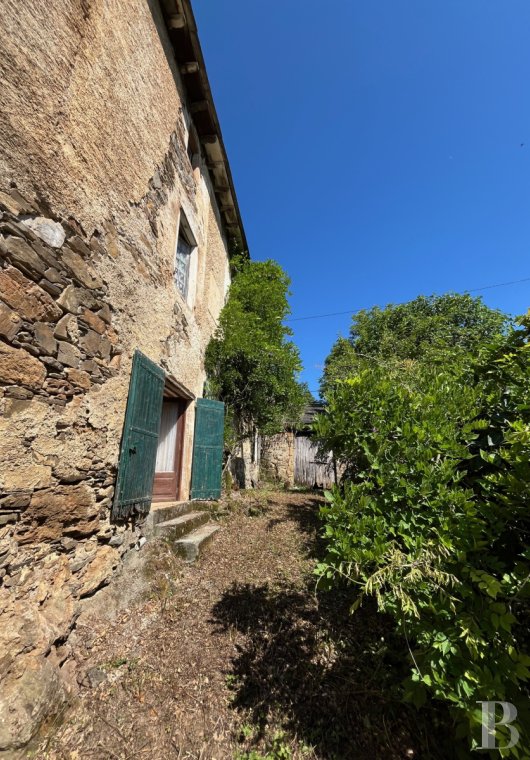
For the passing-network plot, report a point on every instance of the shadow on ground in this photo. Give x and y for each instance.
(305, 515)
(328, 678)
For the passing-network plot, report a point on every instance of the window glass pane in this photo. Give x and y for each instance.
(182, 265)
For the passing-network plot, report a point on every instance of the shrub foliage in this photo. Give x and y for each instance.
(433, 520)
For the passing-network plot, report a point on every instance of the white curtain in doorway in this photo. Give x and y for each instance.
(167, 440)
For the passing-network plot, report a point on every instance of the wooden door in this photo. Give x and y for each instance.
(208, 449)
(169, 452)
(139, 441)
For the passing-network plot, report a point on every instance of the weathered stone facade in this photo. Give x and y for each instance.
(94, 174)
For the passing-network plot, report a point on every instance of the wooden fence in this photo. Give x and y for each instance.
(310, 469)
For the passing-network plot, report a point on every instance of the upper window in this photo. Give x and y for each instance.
(185, 246)
(193, 148)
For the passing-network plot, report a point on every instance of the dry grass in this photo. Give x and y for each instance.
(236, 656)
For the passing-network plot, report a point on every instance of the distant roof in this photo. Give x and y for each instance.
(311, 411)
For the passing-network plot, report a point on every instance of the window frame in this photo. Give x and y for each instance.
(184, 232)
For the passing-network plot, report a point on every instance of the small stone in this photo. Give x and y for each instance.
(78, 245)
(69, 475)
(15, 500)
(95, 676)
(105, 532)
(68, 354)
(100, 570)
(19, 367)
(25, 297)
(23, 256)
(51, 232)
(112, 335)
(68, 299)
(89, 365)
(80, 269)
(11, 580)
(91, 342)
(116, 540)
(51, 287)
(105, 313)
(79, 377)
(67, 328)
(15, 391)
(44, 338)
(53, 275)
(44, 251)
(10, 322)
(53, 364)
(72, 298)
(93, 321)
(8, 519)
(13, 204)
(33, 350)
(56, 402)
(96, 246)
(57, 512)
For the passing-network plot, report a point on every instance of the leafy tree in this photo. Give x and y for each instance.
(433, 519)
(429, 327)
(340, 363)
(252, 364)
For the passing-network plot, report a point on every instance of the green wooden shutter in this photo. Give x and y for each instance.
(136, 468)
(208, 449)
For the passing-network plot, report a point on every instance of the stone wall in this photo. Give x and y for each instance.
(94, 175)
(277, 457)
(58, 352)
(245, 462)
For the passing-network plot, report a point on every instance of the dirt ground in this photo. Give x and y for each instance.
(237, 656)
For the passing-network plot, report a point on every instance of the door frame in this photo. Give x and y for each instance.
(175, 391)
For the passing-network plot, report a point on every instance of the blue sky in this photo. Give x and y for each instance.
(376, 148)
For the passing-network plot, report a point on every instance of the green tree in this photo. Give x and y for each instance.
(426, 328)
(251, 362)
(433, 518)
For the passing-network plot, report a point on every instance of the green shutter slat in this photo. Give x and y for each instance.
(136, 469)
(208, 449)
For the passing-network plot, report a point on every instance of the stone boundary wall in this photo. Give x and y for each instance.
(277, 457)
(58, 349)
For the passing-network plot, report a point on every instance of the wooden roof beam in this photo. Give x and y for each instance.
(198, 106)
(177, 21)
(191, 67)
(208, 139)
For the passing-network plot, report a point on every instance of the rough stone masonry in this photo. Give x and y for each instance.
(58, 350)
(95, 173)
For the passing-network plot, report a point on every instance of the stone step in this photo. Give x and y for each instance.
(179, 526)
(190, 546)
(164, 511)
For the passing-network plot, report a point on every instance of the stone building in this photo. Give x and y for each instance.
(292, 457)
(117, 217)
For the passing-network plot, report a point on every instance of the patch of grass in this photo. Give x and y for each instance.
(118, 662)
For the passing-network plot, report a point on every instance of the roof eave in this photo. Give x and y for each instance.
(182, 29)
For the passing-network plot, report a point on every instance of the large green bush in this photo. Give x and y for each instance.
(433, 518)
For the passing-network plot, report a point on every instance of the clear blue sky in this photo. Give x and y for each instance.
(375, 148)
